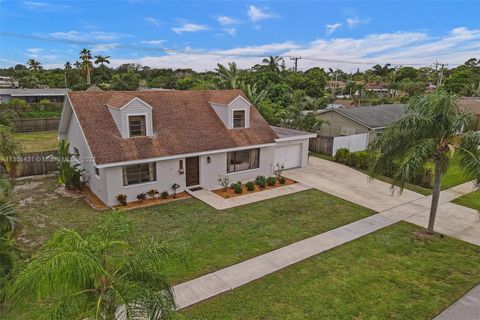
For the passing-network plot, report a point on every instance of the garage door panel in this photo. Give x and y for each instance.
(289, 155)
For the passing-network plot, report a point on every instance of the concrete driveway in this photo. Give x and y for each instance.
(453, 220)
(350, 184)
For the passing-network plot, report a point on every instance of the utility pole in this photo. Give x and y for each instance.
(296, 62)
(440, 73)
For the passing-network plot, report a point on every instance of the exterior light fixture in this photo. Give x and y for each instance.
(175, 186)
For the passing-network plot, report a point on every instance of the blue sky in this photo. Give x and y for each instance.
(406, 32)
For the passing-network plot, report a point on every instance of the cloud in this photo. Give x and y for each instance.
(256, 14)
(34, 50)
(225, 20)
(104, 47)
(153, 21)
(189, 27)
(230, 31)
(331, 28)
(354, 21)
(417, 48)
(79, 36)
(153, 42)
(44, 6)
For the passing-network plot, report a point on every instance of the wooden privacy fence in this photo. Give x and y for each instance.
(36, 124)
(36, 163)
(321, 144)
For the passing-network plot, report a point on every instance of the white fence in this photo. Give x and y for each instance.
(356, 142)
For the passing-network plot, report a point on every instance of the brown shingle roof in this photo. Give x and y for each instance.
(183, 122)
(471, 104)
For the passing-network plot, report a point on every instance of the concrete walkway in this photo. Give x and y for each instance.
(220, 203)
(466, 308)
(212, 284)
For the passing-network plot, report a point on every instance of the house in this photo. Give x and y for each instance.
(471, 104)
(352, 121)
(33, 95)
(131, 142)
(8, 82)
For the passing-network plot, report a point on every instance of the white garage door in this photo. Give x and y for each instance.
(290, 156)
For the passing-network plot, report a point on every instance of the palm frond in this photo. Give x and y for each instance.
(9, 222)
(469, 155)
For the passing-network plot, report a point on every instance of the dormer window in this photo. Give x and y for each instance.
(136, 126)
(239, 119)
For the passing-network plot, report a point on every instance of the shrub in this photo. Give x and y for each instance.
(271, 181)
(261, 181)
(142, 196)
(237, 188)
(17, 102)
(164, 195)
(250, 186)
(70, 175)
(342, 155)
(122, 199)
(152, 193)
(363, 159)
(224, 181)
(279, 170)
(282, 180)
(351, 159)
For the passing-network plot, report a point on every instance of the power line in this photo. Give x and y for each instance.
(296, 62)
(203, 53)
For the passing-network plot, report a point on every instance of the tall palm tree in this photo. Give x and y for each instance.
(228, 77)
(86, 56)
(67, 67)
(98, 275)
(101, 60)
(273, 63)
(34, 65)
(434, 130)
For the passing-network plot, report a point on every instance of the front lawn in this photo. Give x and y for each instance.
(394, 273)
(214, 239)
(38, 141)
(471, 200)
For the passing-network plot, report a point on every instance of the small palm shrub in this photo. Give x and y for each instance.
(141, 196)
(282, 180)
(271, 181)
(237, 188)
(224, 181)
(250, 186)
(122, 199)
(152, 193)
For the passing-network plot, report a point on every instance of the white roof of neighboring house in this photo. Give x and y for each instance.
(33, 92)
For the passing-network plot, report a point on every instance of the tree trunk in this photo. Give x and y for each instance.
(437, 187)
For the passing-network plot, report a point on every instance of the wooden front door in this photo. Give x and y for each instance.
(192, 171)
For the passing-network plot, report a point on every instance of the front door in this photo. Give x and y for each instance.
(192, 171)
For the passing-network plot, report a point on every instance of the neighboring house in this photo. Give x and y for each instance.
(33, 95)
(8, 82)
(131, 142)
(356, 128)
(471, 104)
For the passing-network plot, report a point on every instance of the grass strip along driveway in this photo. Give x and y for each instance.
(395, 273)
(471, 200)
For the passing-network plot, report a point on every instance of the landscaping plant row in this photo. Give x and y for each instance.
(152, 194)
(362, 160)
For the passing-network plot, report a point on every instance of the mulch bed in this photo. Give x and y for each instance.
(92, 199)
(229, 193)
(152, 202)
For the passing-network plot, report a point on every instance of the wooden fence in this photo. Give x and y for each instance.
(37, 124)
(36, 163)
(321, 144)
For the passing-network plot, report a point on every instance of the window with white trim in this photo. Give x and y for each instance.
(136, 126)
(243, 160)
(239, 118)
(139, 173)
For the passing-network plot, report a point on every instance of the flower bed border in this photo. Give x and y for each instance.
(229, 193)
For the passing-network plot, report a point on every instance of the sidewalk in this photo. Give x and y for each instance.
(466, 308)
(212, 284)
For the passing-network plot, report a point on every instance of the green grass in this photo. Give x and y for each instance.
(215, 239)
(394, 273)
(471, 200)
(38, 141)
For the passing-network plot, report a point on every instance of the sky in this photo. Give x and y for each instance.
(200, 34)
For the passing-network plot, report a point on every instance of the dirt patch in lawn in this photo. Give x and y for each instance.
(152, 202)
(230, 193)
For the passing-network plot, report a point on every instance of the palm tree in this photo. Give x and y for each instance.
(34, 65)
(228, 77)
(433, 129)
(9, 152)
(274, 63)
(8, 219)
(383, 72)
(101, 60)
(254, 94)
(98, 275)
(86, 56)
